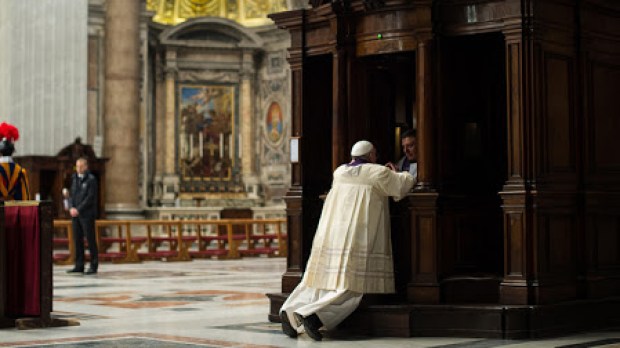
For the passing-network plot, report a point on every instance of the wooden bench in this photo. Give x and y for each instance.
(260, 240)
(210, 243)
(62, 243)
(172, 235)
(179, 240)
(127, 244)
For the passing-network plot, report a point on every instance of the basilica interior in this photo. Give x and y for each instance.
(190, 97)
(234, 109)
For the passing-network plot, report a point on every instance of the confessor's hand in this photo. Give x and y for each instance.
(74, 212)
(391, 166)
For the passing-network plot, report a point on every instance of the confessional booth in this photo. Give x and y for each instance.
(513, 228)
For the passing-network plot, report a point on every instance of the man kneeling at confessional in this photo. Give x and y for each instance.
(352, 250)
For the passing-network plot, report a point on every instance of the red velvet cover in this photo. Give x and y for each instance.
(23, 262)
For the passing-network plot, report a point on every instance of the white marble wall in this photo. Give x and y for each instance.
(5, 66)
(43, 67)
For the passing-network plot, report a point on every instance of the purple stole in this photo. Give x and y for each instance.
(356, 162)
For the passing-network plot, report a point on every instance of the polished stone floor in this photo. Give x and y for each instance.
(206, 303)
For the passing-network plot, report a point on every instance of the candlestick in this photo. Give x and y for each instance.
(221, 145)
(182, 147)
(191, 146)
(240, 146)
(230, 146)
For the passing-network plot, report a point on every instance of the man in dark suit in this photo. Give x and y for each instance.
(83, 210)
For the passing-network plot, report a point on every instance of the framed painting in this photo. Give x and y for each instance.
(206, 139)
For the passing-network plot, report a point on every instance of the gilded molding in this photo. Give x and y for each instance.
(246, 12)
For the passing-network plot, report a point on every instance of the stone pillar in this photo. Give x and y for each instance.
(247, 126)
(170, 179)
(122, 71)
(160, 132)
(169, 122)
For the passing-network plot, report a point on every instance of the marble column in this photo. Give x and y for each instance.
(247, 125)
(169, 122)
(122, 73)
(170, 179)
(160, 132)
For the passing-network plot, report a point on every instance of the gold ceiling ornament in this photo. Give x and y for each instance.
(249, 13)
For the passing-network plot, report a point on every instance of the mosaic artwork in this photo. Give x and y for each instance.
(274, 123)
(212, 303)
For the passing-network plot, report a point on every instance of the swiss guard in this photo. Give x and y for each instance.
(13, 178)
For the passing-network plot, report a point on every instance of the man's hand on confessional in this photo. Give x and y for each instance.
(74, 212)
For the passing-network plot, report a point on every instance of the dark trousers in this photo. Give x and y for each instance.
(85, 226)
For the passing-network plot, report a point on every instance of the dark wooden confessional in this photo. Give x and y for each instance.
(513, 229)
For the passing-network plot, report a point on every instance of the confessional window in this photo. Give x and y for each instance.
(316, 142)
(385, 95)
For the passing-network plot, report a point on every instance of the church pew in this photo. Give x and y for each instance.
(182, 240)
(209, 241)
(220, 242)
(63, 239)
(127, 244)
(172, 236)
(260, 240)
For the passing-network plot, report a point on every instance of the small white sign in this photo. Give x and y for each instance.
(98, 145)
(295, 150)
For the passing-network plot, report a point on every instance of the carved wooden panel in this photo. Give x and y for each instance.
(477, 17)
(606, 230)
(556, 245)
(390, 31)
(318, 39)
(515, 116)
(424, 286)
(294, 257)
(425, 239)
(515, 245)
(559, 133)
(599, 36)
(605, 122)
(602, 244)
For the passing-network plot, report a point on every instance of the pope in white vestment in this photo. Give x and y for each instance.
(352, 250)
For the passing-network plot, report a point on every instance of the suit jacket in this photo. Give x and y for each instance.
(84, 195)
(13, 182)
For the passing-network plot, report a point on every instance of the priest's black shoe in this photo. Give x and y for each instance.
(76, 270)
(91, 271)
(287, 328)
(312, 324)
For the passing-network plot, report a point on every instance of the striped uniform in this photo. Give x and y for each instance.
(14, 182)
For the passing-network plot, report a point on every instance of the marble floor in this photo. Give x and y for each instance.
(206, 303)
